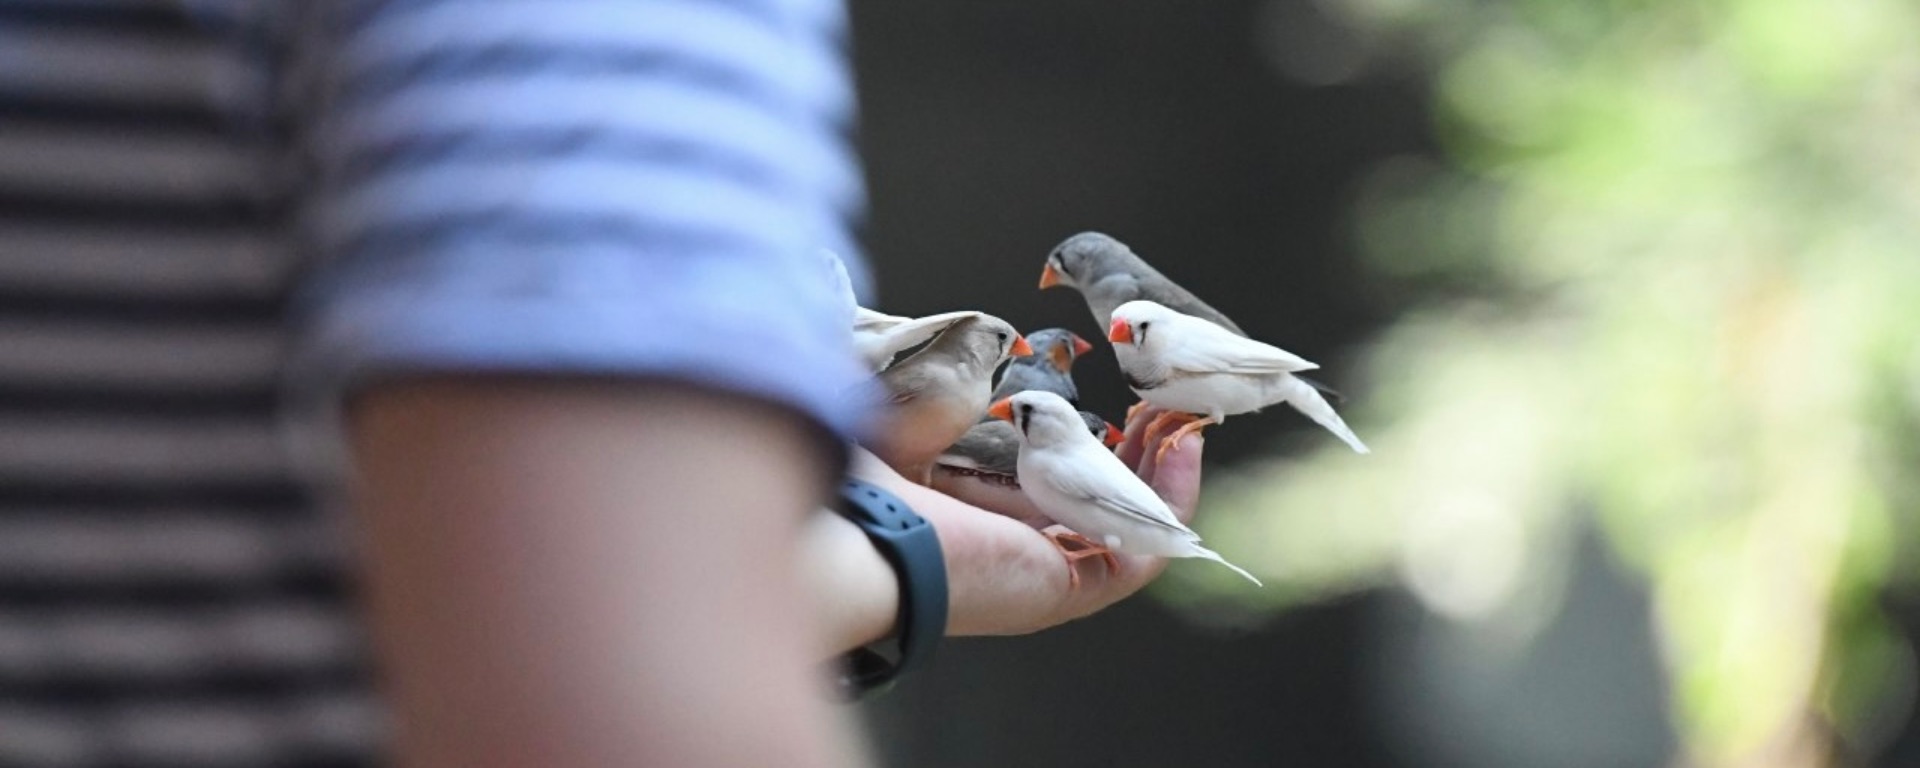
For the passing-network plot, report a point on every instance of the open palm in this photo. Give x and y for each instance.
(1004, 577)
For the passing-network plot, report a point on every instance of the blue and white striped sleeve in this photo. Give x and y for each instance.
(604, 188)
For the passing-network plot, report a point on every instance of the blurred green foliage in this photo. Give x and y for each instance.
(1679, 245)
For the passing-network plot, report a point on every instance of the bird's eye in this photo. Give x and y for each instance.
(1002, 335)
(1144, 324)
(1027, 409)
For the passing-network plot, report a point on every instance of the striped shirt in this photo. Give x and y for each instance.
(201, 200)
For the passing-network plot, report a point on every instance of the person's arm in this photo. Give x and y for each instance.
(565, 573)
(852, 590)
(527, 218)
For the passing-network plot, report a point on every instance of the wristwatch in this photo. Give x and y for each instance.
(909, 544)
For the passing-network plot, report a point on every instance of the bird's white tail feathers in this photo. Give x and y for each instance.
(1203, 552)
(1305, 399)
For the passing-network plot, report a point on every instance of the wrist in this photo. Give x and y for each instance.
(855, 590)
(912, 548)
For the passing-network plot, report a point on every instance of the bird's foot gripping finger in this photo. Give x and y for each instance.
(1159, 423)
(1172, 442)
(1075, 547)
(1134, 410)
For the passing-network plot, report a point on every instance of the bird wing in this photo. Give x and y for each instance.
(906, 383)
(1204, 347)
(869, 321)
(1181, 300)
(990, 446)
(879, 337)
(1098, 478)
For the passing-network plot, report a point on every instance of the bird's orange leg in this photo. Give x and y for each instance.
(1081, 548)
(1172, 442)
(1133, 410)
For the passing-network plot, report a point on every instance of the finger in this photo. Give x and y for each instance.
(1100, 586)
(1177, 476)
(1003, 577)
(1133, 447)
(1155, 433)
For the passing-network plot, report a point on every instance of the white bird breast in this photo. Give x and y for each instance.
(1115, 530)
(1216, 393)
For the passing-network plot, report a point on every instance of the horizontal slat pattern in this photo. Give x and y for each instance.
(128, 648)
(143, 262)
(144, 72)
(100, 166)
(138, 358)
(151, 452)
(168, 594)
(319, 731)
(165, 547)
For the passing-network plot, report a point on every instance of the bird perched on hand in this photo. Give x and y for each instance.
(1190, 366)
(1049, 368)
(1077, 482)
(878, 336)
(939, 391)
(992, 447)
(982, 468)
(1108, 274)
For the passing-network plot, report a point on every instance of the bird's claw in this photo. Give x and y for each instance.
(1081, 548)
(1172, 442)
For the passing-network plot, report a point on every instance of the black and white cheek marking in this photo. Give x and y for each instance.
(1025, 417)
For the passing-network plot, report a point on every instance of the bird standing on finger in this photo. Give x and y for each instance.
(992, 448)
(982, 468)
(1108, 274)
(1076, 481)
(1191, 366)
(938, 392)
(1049, 368)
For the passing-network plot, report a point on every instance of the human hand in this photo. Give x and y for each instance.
(1004, 577)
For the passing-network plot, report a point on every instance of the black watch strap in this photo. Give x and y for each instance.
(910, 545)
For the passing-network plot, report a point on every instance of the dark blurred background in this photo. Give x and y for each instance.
(1372, 184)
(991, 131)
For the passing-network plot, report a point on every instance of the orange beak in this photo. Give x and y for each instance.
(1114, 436)
(1049, 278)
(1081, 346)
(1120, 332)
(1002, 410)
(1020, 347)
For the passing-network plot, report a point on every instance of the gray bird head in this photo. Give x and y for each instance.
(1050, 367)
(988, 340)
(1108, 434)
(1055, 347)
(1081, 260)
(1043, 418)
